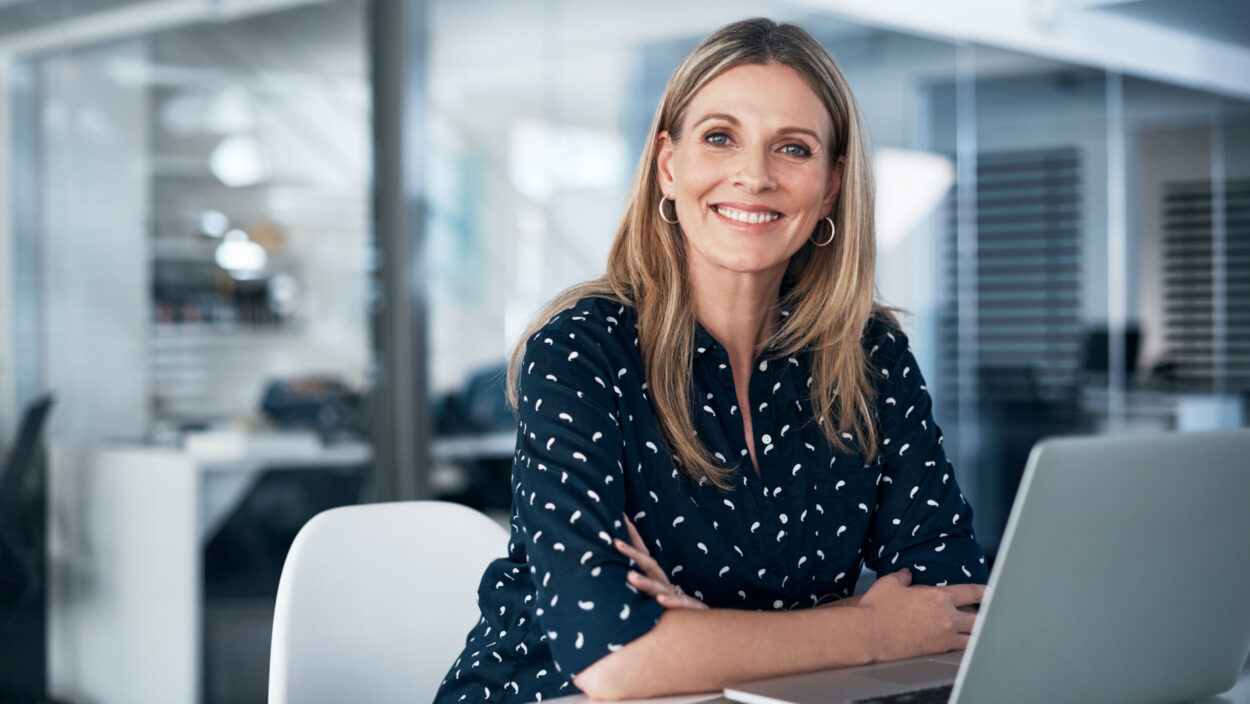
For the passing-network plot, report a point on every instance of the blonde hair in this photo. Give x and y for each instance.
(830, 289)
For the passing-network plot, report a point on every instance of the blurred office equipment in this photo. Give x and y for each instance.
(164, 562)
(1096, 359)
(23, 578)
(375, 601)
(475, 436)
(321, 403)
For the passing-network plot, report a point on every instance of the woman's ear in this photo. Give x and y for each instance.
(835, 184)
(664, 161)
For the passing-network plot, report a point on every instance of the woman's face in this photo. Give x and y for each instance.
(753, 172)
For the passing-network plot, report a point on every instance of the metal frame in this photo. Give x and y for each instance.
(1117, 252)
(967, 325)
(398, 45)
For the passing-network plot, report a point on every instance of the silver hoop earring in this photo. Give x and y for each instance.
(674, 220)
(833, 230)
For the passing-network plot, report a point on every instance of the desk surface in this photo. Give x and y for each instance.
(1239, 694)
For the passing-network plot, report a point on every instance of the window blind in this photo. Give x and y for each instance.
(1206, 346)
(1028, 339)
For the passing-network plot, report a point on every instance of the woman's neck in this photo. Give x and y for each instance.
(739, 310)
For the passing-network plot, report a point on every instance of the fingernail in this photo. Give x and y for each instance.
(618, 543)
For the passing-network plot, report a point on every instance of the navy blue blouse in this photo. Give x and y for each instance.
(589, 452)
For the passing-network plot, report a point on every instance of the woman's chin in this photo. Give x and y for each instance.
(751, 262)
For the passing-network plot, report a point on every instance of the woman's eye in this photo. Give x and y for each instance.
(796, 150)
(719, 139)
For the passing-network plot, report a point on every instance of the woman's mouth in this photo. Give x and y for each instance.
(747, 217)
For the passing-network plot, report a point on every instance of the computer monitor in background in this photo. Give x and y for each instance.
(1097, 354)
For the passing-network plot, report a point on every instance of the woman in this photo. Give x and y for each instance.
(716, 434)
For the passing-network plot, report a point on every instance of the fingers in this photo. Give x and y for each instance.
(664, 592)
(903, 576)
(680, 601)
(648, 585)
(965, 594)
(644, 560)
(964, 622)
(635, 538)
(960, 643)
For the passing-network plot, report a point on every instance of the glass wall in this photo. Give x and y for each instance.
(1016, 204)
(194, 266)
(1025, 266)
(1188, 161)
(538, 119)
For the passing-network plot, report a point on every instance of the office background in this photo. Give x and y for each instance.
(269, 256)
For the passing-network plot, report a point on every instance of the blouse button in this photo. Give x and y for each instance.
(778, 604)
(767, 439)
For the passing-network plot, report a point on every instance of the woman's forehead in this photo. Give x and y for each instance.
(772, 96)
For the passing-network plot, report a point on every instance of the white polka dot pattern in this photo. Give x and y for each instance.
(589, 453)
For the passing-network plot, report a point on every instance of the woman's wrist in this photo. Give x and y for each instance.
(856, 630)
(872, 632)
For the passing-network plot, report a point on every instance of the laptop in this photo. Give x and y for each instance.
(1121, 578)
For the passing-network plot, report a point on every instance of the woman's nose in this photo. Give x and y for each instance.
(753, 172)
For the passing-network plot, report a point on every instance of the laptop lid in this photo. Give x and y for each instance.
(1122, 576)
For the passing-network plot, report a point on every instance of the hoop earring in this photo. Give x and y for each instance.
(833, 230)
(662, 202)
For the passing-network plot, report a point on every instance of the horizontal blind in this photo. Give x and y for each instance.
(1191, 346)
(1028, 278)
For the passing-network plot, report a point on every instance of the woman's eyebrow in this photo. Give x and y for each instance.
(801, 130)
(736, 123)
(718, 116)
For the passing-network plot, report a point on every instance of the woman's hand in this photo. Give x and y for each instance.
(654, 582)
(919, 620)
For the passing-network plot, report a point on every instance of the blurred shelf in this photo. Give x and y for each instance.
(168, 331)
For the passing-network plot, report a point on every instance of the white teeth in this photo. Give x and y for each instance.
(751, 218)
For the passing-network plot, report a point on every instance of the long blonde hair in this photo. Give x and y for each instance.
(830, 289)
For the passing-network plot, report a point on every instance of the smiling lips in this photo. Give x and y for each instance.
(748, 217)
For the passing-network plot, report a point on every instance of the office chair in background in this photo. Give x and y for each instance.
(375, 601)
(23, 562)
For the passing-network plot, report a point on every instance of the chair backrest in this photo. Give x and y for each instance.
(18, 463)
(375, 601)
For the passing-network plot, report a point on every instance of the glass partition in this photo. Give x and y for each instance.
(1187, 158)
(195, 252)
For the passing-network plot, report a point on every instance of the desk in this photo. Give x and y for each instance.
(127, 525)
(1239, 694)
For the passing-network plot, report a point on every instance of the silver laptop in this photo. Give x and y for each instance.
(1122, 577)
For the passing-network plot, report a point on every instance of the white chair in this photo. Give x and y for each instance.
(375, 601)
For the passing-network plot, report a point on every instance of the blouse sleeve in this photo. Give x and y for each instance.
(569, 495)
(922, 520)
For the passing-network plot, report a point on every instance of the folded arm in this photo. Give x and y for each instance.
(701, 650)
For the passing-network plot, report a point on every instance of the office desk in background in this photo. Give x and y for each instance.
(128, 527)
